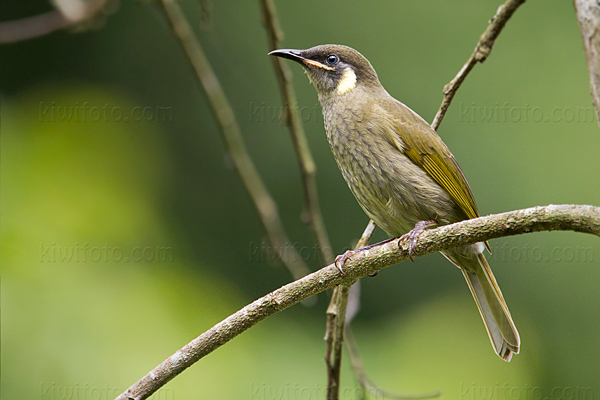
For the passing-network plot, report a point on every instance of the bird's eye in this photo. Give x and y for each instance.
(332, 59)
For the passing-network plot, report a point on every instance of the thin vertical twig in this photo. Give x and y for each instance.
(334, 338)
(334, 335)
(232, 135)
(336, 321)
(294, 123)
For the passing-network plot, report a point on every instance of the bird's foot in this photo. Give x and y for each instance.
(413, 236)
(341, 259)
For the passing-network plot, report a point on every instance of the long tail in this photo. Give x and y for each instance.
(492, 307)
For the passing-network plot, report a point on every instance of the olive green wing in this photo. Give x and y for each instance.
(426, 149)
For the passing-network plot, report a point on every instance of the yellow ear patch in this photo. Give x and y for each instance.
(347, 81)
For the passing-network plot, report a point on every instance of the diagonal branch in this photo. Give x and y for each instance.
(480, 54)
(264, 203)
(33, 27)
(578, 218)
(294, 123)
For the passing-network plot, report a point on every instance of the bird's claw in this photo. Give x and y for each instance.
(340, 260)
(413, 236)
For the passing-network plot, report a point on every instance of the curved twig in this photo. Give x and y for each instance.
(578, 218)
(337, 313)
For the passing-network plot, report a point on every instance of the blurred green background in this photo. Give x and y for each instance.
(126, 233)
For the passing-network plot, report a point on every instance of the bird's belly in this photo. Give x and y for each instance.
(390, 188)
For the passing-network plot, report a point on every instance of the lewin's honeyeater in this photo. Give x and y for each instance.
(399, 170)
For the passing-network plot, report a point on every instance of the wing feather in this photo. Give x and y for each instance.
(425, 148)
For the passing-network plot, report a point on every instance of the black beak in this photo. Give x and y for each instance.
(290, 54)
(295, 55)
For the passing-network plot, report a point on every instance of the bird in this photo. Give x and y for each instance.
(400, 171)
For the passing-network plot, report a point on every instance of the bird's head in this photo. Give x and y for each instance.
(333, 69)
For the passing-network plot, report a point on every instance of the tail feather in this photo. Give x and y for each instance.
(492, 307)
